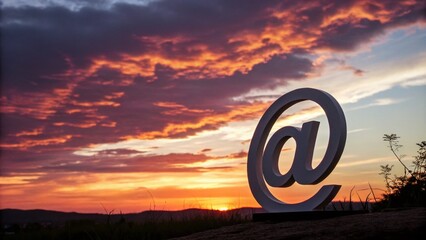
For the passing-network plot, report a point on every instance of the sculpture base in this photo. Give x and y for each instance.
(301, 216)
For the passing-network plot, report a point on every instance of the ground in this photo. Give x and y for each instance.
(391, 224)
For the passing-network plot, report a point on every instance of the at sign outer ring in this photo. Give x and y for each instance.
(337, 126)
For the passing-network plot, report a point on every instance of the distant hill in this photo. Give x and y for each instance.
(12, 216)
(16, 216)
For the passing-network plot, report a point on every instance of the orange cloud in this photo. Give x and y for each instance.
(368, 10)
(38, 105)
(78, 125)
(114, 95)
(28, 143)
(33, 132)
(96, 104)
(109, 124)
(177, 109)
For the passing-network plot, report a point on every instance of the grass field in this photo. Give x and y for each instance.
(152, 225)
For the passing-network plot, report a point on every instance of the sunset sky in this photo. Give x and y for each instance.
(135, 105)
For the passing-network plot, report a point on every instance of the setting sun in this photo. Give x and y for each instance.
(222, 209)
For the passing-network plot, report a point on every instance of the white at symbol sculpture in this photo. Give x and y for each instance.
(263, 166)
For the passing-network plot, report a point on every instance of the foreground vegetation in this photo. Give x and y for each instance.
(150, 228)
(408, 190)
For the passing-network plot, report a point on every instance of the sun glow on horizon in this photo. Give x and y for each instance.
(223, 209)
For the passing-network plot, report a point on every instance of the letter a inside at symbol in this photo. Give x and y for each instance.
(305, 139)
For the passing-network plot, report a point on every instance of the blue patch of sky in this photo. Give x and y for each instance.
(395, 46)
(405, 118)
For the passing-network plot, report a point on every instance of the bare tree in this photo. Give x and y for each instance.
(394, 145)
